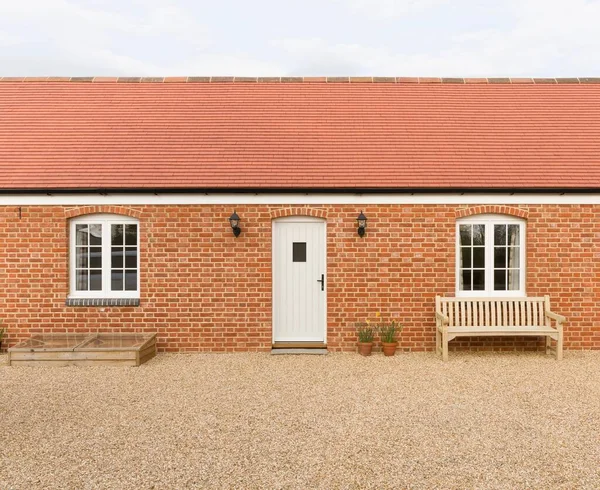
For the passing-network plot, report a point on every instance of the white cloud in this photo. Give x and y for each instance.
(389, 8)
(88, 40)
(546, 38)
(62, 19)
(339, 37)
(7, 39)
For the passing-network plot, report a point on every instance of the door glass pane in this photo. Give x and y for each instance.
(95, 280)
(299, 252)
(478, 280)
(130, 234)
(130, 280)
(116, 235)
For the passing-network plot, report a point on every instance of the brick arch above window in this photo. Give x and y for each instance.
(492, 209)
(120, 210)
(298, 211)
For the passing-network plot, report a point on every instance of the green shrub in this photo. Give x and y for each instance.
(366, 332)
(388, 331)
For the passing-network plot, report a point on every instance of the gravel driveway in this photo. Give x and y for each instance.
(336, 421)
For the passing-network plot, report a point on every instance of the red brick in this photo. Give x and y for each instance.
(204, 290)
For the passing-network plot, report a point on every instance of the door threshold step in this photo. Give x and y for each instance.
(313, 352)
(299, 345)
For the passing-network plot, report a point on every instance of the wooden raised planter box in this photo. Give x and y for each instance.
(117, 349)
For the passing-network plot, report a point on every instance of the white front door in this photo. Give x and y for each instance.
(299, 279)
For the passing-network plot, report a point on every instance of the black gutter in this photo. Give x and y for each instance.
(302, 190)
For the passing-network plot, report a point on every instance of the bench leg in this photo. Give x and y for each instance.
(438, 342)
(559, 346)
(444, 346)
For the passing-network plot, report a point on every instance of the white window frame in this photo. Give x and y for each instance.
(489, 220)
(106, 220)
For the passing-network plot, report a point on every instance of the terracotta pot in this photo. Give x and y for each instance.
(364, 348)
(389, 348)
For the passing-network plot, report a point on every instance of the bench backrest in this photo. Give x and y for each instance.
(494, 312)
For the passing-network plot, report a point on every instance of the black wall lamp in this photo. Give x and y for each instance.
(362, 224)
(234, 221)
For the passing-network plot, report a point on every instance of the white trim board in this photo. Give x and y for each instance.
(133, 199)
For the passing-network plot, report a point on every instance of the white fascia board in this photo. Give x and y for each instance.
(138, 199)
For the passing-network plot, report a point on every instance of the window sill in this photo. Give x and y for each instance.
(102, 302)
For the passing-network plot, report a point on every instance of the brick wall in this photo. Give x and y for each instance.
(204, 290)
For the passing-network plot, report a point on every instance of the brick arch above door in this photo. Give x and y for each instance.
(298, 211)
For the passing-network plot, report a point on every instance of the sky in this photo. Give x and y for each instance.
(446, 38)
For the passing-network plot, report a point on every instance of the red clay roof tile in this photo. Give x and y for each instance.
(232, 134)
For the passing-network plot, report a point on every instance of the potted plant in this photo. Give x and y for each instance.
(366, 333)
(387, 333)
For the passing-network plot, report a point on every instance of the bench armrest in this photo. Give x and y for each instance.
(442, 318)
(556, 316)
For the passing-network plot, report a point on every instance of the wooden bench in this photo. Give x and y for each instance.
(482, 317)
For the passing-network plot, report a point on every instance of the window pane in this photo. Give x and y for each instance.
(81, 234)
(116, 280)
(130, 234)
(478, 280)
(465, 257)
(500, 257)
(81, 280)
(500, 234)
(514, 257)
(131, 258)
(130, 280)
(478, 234)
(96, 234)
(95, 280)
(81, 257)
(465, 234)
(513, 234)
(500, 280)
(466, 281)
(299, 252)
(116, 235)
(513, 279)
(95, 257)
(116, 257)
(478, 257)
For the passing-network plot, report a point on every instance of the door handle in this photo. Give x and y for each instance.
(322, 281)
